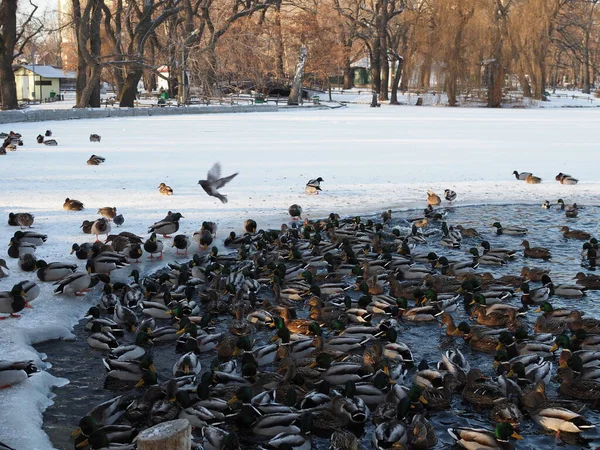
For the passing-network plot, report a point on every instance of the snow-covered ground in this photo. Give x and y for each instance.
(370, 158)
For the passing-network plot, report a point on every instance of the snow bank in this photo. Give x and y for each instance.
(370, 158)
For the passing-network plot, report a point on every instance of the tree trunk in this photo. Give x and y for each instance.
(384, 64)
(95, 48)
(279, 50)
(396, 82)
(348, 74)
(128, 96)
(296, 92)
(376, 66)
(8, 40)
(586, 89)
(495, 81)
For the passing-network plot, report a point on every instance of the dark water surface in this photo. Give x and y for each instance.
(76, 361)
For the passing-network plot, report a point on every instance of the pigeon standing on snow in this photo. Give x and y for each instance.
(214, 182)
(313, 186)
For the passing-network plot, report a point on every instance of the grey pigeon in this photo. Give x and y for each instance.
(214, 182)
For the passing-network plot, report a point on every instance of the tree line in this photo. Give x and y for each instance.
(478, 47)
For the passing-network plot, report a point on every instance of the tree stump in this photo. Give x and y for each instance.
(172, 435)
(419, 101)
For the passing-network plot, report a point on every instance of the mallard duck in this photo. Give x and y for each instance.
(31, 290)
(15, 372)
(186, 365)
(433, 199)
(28, 262)
(12, 302)
(532, 179)
(31, 237)
(563, 178)
(478, 340)
(54, 271)
(19, 249)
(501, 252)
(250, 226)
(563, 290)
(167, 226)
(214, 438)
(507, 412)
(521, 176)
(575, 234)
(536, 252)
(23, 220)
(389, 434)
(480, 439)
(106, 262)
(421, 433)
(164, 189)
(458, 268)
(486, 260)
(51, 142)
(589, 281)
(203, 238)
(510, 231)
(153, 246)
(133, 251)
(95, 160)
(570, 210)
(82, 251)
(181, 242)
(291, 441)
(313, 186)
(95, 138)
(78, 282)
(4, 270)
(72, 205)
(533, 274)
(108, 212)
(344, 440)
(578, 388)
(589, 324)
(533, 296)
(295, 211)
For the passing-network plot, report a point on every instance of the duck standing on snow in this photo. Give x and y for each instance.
(153, 246)
(164, 189)
(79, 282)
(449, 195)
(313, 186)
(4, 271)
(71, 204)
(23, 220)
(532, 179)
(95, 138)
(108, 212)
(168, 225)
(295, 211)
(521, 176)
(563, 178)
(181, 242)
(433, 199)
(40, 139)
(95, 160)
(51, 142)
(214, 182)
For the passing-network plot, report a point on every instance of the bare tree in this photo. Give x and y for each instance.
(13, 39)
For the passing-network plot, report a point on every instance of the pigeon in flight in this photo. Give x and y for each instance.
(214, 182)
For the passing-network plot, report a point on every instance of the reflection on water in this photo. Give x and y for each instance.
(83, 367)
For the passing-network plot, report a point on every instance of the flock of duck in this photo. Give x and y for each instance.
(333, 297)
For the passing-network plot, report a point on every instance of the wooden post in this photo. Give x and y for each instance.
(172, 435)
